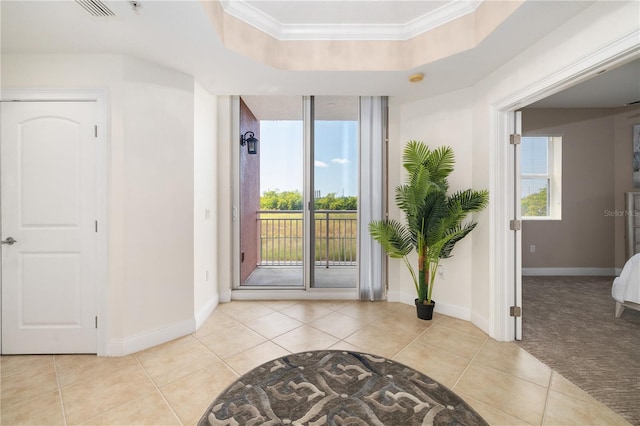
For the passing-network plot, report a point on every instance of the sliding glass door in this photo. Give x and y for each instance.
(335, 192)
(271, 184)
(299, 192)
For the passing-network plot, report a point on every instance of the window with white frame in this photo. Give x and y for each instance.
(541, 177)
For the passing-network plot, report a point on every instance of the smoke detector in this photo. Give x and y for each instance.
(135, 6)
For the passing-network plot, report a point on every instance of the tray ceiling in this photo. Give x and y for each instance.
(347, 20)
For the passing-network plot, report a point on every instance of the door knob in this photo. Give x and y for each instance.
(9, 241)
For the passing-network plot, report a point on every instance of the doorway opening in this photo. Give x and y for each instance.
(509, 295)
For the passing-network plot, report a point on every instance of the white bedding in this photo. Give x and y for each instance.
(626, 287)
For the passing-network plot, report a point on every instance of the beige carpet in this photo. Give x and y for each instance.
(569, 324)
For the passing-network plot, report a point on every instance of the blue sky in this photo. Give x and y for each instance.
(336, 156)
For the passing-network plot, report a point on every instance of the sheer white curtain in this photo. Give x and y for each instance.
(373, 133)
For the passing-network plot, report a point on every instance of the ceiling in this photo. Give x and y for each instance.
(178, 35)
(610, 89)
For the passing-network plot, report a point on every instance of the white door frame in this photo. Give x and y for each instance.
(501, 325)
(100, 98)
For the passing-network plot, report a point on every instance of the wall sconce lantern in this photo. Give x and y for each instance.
(250, 141)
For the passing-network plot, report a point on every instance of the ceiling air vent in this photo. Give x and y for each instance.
(96, 8)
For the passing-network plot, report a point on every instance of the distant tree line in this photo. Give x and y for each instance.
(286, 200)
(331, 202)
(292, 200)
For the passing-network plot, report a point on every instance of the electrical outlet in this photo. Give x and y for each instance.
(532, 248)
(441, 271)
(206, 275)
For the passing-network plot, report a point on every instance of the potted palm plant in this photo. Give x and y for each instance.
(434, 219)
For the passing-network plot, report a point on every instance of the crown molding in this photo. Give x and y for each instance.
(253, 16)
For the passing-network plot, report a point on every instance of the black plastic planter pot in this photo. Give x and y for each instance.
(425, 312)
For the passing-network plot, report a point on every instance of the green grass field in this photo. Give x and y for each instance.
(281, 237)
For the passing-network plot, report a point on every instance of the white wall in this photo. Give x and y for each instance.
(151, 182)
(158, 128)
(569, 52)
(205, 211)
(438, 121)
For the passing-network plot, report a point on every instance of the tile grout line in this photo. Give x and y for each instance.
(473, 358)
(267, 339)
(303, 323)
(505, 372)
(483, 402)
(27, 398)
(233, 369)
(274, 337)
(486, 340)
(244, 325)
(64, 414)
(271, 340)
(546, 400)
(158, 390)
(218, 357)
(423, 332)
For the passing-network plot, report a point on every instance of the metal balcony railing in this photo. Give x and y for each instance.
(281, 240)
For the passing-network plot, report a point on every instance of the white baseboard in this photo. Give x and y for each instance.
(441, 308)
(205, 311)
(225, 296)
(147, 339)
(481, 322)
(570, 271)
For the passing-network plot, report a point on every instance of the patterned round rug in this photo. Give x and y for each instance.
(337, 388)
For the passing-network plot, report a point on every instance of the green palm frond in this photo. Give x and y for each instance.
(453, 236)
(409, 196)
(440, 163)
(394, 237)
(433, 213)
(415, 154)
(470, 200)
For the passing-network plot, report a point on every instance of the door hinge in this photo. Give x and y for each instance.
(515, 311)
(96, 321)
(95, 131)
(514, 139)
(96, 226)
(515, 225)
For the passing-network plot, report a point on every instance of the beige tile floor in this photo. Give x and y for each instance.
(173, 383)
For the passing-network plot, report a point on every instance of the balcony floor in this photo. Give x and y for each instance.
(291, 276)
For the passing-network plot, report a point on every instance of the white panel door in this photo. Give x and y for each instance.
(49, 209)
